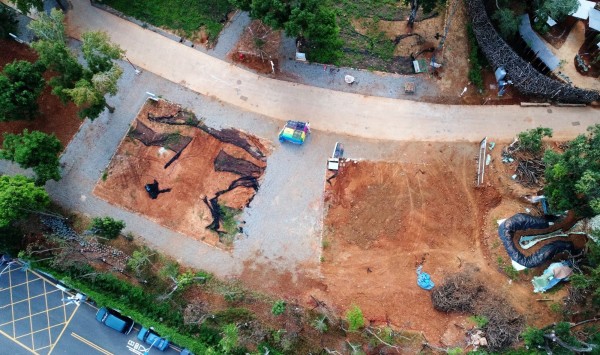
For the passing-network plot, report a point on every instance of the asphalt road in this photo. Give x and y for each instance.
(37, 317)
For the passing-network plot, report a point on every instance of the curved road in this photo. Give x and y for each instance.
(334, 111)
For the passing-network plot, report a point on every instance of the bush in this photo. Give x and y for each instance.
(278, 307)
(107, 227)
(480, 321)
(475, 60)
(531, 139)
(355, 318)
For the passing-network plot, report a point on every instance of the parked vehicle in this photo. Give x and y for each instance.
(150, 337)
(294, 132)
(115, 320)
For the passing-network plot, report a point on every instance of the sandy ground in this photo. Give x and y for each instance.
(567, 54)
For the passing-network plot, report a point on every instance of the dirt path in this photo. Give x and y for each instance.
(567, 53)
(357, 115)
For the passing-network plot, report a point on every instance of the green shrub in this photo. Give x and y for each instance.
(480, 321)
(107, 227)
(355, 318)
(476, 64)
(278, 307)
(533, 337)
(531, 139)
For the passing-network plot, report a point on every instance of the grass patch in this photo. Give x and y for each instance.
(229, 220)
(476, 60)
(186, 16)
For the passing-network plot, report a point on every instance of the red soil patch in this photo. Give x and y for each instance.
(191, 178)
(257, 47)
(383, 219)
(54, 117)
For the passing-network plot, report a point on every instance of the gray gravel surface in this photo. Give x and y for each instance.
(230, 35)
(367, 82)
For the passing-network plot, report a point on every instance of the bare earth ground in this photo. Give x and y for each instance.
(54, 117)
(257, 46)
(191, 178)
(384, 218)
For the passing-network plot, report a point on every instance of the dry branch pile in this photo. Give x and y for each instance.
(464, 293)
(525, 78)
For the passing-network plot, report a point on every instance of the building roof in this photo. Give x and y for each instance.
(536, 44)
(594, 19)
(583, 10)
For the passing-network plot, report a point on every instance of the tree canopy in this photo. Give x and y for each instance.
(306, 18)
(8, 21)
(25, 6)
(507, 22)
(85, 85)
(573, 177)
(21, 84)
(35, 150)
(18, 197)
(556, 9)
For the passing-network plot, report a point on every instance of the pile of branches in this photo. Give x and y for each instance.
(457, 293)
(463, 292)
(530, 167)
(530, 172)
(525, 78)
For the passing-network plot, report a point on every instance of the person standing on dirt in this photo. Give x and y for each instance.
(308, 127)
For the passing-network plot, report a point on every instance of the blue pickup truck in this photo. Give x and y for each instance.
(114, 320)
(150, 337)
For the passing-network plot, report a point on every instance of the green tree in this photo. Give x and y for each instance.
(50, 27)
(88, 94)
(107, 227)
(57, 57)
(355, 318)
(507, 22)
(230, 338)
(99, 53)
(531, 139)
(274, 13)
(318, 25)
(244, 5)
(18, 197)
(556, 9)
(35, 150)
(21, 83)
(86, 85)
(8, 21)
(427, 5)
(573, 177)
(25, 6)
(139, 260)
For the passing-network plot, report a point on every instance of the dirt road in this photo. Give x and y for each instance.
(334, 111)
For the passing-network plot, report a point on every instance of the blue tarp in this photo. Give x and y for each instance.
(536, 44)
(424, 280)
